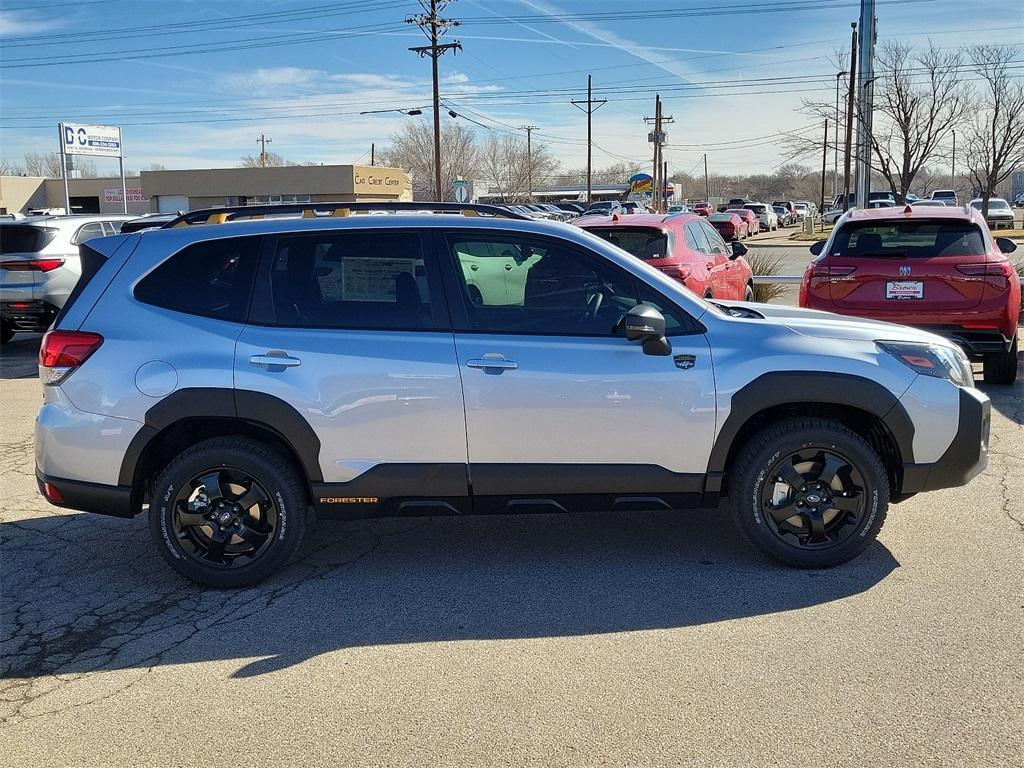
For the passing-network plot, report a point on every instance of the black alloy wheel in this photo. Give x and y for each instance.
(224, 518)
(813, 499)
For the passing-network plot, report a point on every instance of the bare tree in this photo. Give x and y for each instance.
(921, 99)
(617, 173)
(274, 160)
(412, 150)
(47, 165)
(10, 168)
(995, 133)
(510, 169)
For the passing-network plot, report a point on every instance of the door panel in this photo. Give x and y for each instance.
(351, 329)
(549, 380)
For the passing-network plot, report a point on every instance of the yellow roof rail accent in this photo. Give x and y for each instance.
(307, 213)
(216, 218)
(341, 212)
(469, 212)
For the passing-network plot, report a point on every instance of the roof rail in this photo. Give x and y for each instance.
(225, 214)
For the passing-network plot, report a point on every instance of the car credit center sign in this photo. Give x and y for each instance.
(102, 140)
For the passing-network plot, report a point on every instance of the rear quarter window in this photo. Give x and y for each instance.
(211, 279)
(24, 238)
(643, 242)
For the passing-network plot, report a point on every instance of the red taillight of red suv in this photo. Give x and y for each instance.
(817, 277)
(32, 265)
(1000, 270)
(61, 352)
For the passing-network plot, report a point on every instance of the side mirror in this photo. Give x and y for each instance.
(1006, 245)
(738, 249)
(818, 247)
(645, 324)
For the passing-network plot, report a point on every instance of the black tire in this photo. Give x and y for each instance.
(838, 535)
(213, 556)
(1001, 368)
(6, 332)
(748, 293)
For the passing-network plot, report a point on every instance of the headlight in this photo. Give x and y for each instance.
(936, 360)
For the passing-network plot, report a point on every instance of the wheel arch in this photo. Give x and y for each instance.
(192, 415)
(862, 405)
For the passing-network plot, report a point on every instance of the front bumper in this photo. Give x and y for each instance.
(965, 458)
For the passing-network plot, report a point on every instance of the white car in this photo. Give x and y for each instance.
(999, 214)
(765, 214)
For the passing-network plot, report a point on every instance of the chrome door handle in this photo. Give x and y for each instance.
(283, 361)
(508, 267)
(492, 362)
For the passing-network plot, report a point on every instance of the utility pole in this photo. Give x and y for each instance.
(373, 153)
(434, 27)
(529, 158)
(865, 101)
(664, 182)
(849, 117)
(824, 162)
(835, 154)
(590, 110)
(952, 171)
(263, 141)
(707, 186)
(657, 137)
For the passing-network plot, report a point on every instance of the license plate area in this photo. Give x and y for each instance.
(904, 290)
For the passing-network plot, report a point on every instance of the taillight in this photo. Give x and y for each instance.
(975, 270)
(32, 265)
(1000, 270)
(61, 352)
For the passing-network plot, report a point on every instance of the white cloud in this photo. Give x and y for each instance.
(15, 23)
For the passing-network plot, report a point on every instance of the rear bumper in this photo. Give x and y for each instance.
(965, 458)
(974, 342)
(113, 500)
(33, 315)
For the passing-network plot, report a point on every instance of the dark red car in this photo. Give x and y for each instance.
(939, 269)
(701, 209)
(683, 246)
(753, 223)
(729, 226)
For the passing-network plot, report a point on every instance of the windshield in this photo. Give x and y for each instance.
(993, 204)
(920, 238)
(643, 242)
(755, 208)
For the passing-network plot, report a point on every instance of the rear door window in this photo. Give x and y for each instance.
(87, 232)
(909, 239)
(211, 279)
(696, 239)
(367, 280)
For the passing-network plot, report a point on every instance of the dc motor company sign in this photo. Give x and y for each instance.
(78, 139)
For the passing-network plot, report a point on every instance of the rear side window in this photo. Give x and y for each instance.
(369, 280)
(22, 238)
(914, 238)
(88, 232)
(643, 242)
(211, 279)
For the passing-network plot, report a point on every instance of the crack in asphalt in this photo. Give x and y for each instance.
(41, 659)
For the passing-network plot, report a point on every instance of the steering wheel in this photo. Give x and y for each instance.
(594, 304)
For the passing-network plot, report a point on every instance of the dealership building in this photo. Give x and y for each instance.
(170, 191)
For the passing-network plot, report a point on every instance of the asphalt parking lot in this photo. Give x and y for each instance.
(618, 639)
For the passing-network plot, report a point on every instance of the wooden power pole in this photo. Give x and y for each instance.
(529, 159)
(434, 27)
(263, 141)
(590, 110)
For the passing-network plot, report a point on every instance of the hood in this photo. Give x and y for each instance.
(829, 325)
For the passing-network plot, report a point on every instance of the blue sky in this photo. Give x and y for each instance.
(302, 71)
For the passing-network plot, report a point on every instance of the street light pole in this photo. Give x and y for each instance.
(865, 101)
(835, 155)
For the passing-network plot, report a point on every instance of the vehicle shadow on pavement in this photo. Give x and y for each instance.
(19, 358)
(85, 593)
(1008, 400)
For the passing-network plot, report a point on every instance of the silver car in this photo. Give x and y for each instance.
(40, 265)
(232, 380)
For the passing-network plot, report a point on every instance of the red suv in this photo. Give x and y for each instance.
(683, 246)
(939, 269)
(701, 209)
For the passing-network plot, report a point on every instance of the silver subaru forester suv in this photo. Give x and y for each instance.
(240, 369)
